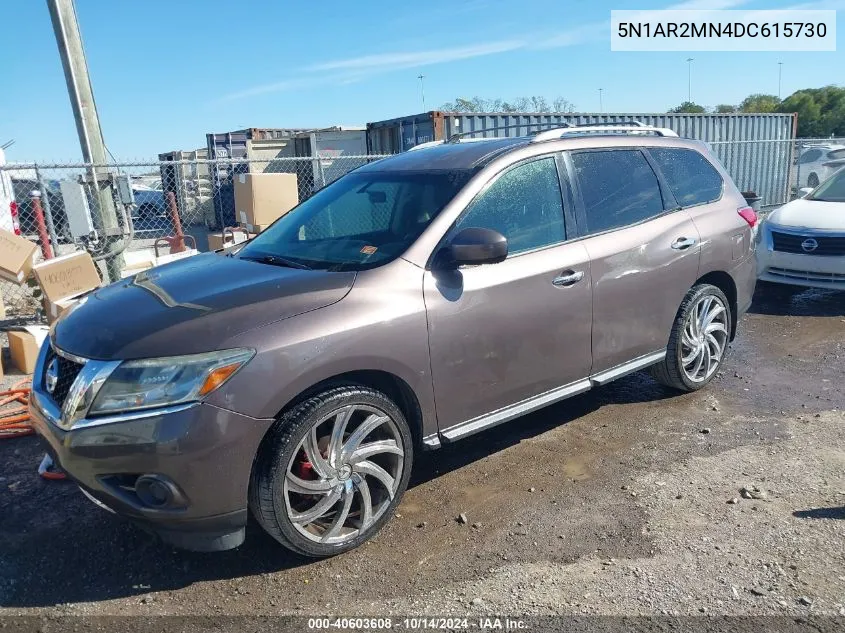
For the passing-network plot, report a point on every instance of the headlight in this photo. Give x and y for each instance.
(159, 382)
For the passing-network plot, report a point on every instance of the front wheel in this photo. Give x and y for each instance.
(699, 340)
(332, 470)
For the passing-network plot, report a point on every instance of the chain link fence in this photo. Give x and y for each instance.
(197, 195)
(194, 196)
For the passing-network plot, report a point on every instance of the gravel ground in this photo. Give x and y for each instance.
(629, 499)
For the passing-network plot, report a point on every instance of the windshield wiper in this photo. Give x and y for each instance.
(275, 260)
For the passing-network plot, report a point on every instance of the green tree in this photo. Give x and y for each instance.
(759, 103)
(821, 111)
(536, 103)
(688, 106)
(725, 108)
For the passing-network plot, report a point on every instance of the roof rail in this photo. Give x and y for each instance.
(441, 142)
(459, 136)
(626, 128)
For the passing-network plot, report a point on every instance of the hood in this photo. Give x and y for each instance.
(192, 305)
(810, 214)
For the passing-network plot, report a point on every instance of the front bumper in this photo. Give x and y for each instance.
(800, 270)
(202, 452)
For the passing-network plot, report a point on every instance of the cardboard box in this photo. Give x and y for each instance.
(261, 199)
(255, 229)
(67, 276)
(24, 345)
(64, 280)
(16, 254)
(237, 236)
(54, 309)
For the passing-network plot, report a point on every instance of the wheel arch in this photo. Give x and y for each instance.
(388, 383)
(724, 282)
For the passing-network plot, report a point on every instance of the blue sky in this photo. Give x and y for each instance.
(166, 72)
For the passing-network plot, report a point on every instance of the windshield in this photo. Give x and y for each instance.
(360, 221)
(831, 190)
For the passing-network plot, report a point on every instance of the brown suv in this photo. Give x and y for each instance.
(415, 301)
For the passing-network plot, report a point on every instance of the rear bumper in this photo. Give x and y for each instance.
(203, 455)
(745, 279)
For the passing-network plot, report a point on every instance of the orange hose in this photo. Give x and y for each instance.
(14, 421)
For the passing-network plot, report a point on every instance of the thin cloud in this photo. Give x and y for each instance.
(352, 70)
(397, 60)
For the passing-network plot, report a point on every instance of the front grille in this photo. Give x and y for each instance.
(789, 243)
(806, 275)
(66, 372)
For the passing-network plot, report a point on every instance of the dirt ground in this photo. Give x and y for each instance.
(625, 500)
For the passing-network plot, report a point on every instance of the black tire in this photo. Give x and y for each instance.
(669, 371)
(813, 181)
(280, 445)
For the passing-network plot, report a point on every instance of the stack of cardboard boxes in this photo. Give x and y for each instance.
(63, 281)
(260, 200)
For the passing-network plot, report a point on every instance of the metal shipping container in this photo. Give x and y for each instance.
(257, 147)
(762, 167)
(270, 150)
(329, 148)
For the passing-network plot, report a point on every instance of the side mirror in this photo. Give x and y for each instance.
(804, 192)
(473, 246)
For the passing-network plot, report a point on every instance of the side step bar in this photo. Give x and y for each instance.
(489, 420)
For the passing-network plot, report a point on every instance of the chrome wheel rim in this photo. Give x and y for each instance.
(344, 474)
(704, 339)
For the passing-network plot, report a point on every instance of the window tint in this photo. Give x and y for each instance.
(618, 188)
(523, 204)
(360, 220)
(690, 176)
(810, 156)
(836, 154)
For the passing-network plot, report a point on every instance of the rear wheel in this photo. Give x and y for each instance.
(699, 340)
(332, 470)
(813, 181)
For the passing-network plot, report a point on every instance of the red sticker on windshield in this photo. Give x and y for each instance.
(369, 250)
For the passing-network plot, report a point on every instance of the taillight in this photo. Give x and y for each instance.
(13, 207)
(747, 214)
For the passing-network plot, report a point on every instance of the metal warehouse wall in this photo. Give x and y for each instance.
(737, 139)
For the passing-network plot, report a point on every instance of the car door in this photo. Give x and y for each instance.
(644, 255)
(501, 334)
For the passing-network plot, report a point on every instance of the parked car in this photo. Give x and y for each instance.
(803, 242)
(818, 162)
(413, 302)
(149, 200)
(51, 193)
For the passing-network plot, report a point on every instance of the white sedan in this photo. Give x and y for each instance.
(803, 242)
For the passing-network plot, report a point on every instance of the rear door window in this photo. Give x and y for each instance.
(690, 176)
(618, 188)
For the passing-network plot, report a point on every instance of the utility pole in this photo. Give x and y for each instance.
(690, 60)
(601, 105)
(780, 76)
(422, 89)
(69, 40)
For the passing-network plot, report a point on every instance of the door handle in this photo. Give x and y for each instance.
(683, 243)
(568, 278)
